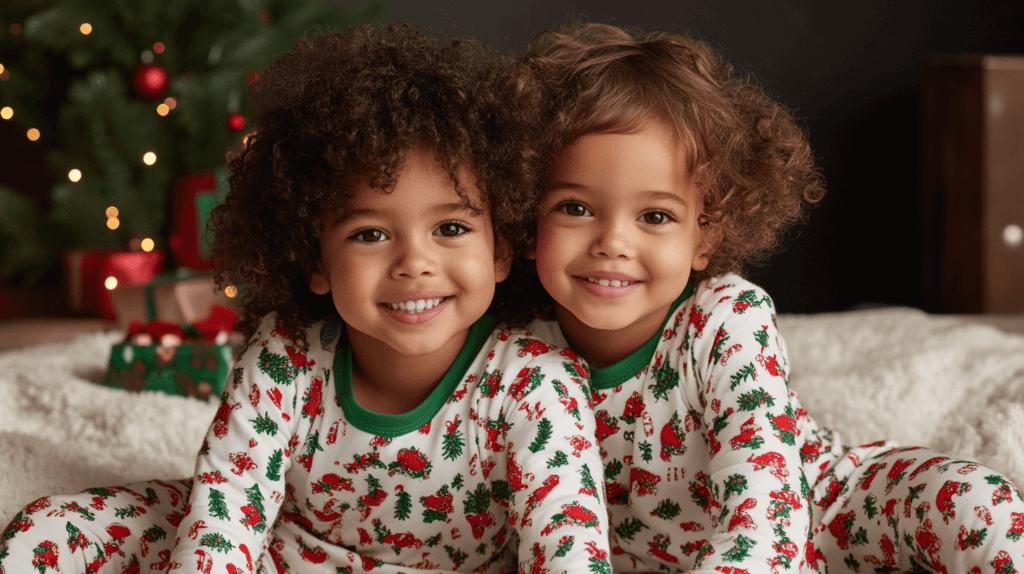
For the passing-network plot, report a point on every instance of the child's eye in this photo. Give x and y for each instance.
(450, 229)
(369, 236)
(574, 209)
(655, 218)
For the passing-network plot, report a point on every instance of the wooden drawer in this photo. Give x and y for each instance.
(972, 158)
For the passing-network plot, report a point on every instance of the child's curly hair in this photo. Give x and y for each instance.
(351, 104)
(747, 154)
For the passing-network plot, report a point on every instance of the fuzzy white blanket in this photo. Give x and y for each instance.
(897, 374)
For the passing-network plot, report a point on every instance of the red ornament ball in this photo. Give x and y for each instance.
(150, 80)
(236, 122)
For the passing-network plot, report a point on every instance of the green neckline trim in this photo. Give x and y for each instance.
(615, 375)
(392, 426)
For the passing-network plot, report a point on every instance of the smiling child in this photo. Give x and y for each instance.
(380, 418)
(667, 173)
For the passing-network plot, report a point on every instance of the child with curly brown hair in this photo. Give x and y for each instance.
(666, 174)
(380, 418)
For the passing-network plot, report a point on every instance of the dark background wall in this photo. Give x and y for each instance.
(851, 70)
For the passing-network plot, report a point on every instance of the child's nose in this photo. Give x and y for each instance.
(615, 240)
(415, 258)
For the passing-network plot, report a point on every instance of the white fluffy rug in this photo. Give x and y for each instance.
(896, 373)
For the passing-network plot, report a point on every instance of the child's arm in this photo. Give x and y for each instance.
(754, 484)
(239, 476)
(554, 471)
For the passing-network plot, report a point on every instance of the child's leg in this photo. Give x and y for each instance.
(911, 509)
(116, 529)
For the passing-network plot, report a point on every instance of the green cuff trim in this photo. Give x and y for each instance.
(392, 426)
(615, 375)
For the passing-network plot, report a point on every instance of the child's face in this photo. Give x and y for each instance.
(413, 268)
(618, 229)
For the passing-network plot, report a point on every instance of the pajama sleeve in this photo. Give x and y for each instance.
(554, 468)
(753, 487)
(240, 471)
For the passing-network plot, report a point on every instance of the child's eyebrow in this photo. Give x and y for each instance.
(648, 195)
(666, 196)
(442, 209)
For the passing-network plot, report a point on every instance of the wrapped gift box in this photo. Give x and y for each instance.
(195, 370)
(180, 297)
(92, 274)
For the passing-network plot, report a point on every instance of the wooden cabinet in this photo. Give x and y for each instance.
(972, 159)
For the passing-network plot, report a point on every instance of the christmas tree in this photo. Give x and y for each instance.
(127, 96)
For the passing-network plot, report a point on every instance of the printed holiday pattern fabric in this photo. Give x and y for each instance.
(712, 465)
(502, 450)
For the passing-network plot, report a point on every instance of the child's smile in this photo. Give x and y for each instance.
(414, 267)
(618, 235)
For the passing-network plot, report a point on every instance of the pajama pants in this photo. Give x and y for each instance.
(877, 509)
(117, 530)
(886, 509)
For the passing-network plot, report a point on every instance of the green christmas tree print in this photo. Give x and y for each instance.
(735, 485)
(740, 551)
(742, 374)
(218, 508)
(274, 465)
(587, 482)
(477, 501)
(217, 542)
(403, 505)
(453, 442)
(543, 435)
(277, 367)
(666, 510)
(559, 459)
(665, 379)
(253, 513)
(264, 424)
(629, 528)
(751, 400)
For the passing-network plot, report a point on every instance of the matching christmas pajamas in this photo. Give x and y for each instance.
(295, 476)
(712, 465)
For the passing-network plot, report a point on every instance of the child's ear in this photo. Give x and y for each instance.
(502, 259)
(710, 237)
(318, 282)
(531, 249)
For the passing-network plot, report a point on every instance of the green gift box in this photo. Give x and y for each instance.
(192, 369)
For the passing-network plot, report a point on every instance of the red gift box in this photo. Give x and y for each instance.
(194, 198)
(86, 274)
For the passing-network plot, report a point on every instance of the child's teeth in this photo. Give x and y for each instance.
(606, 282)
(416, 306)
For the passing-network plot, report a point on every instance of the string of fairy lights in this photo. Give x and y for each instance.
(153, 75)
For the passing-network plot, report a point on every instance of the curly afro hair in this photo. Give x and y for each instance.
(748, 156)
(342, 106)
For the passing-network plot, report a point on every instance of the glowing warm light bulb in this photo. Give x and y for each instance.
(148, 244)
(75, 175)
(110, 283)
(149, 158)
(111, 211)
(163, 109)
(171, 103)
(231, 291)
(85, 28)
(1, 68)
(158, 47)
(7, 112)
(1013, 235)
(33, 134)
(113, 223)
